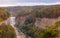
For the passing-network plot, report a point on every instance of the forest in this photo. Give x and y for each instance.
(6, 30)
(29, 28)
(39, 11)
(26, 21)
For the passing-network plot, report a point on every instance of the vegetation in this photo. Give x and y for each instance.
(6, 31)
(3, 14)
(35, 32)
(51, 31)
(47, 12)
(30, 19)
(29, 28)
(41, 11)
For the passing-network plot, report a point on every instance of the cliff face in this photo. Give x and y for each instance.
(21, 20)
(42, 22)
(39, 22)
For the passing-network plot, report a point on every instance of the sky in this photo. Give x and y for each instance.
(28, 2)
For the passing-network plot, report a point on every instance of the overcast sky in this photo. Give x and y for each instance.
(46, 1)
(28, 2)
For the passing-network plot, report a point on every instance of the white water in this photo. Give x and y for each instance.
(12, 20)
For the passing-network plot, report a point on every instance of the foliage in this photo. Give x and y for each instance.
(3, 14)
(41, 11)
(6, 31)
(34, 32)
(30, 19)
(30, 30)
(51, 31)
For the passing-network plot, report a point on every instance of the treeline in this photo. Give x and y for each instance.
(52, 11)
(29, 28)
(3, 14)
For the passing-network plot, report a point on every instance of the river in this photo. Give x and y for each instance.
(19, 34)
(12, 20)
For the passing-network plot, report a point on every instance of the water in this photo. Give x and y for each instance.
(19, 34)
(12, 20)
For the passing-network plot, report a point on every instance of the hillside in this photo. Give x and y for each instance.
(7, 31)
(3, 14)
(19, 9)
(51, 11)
(39, 22)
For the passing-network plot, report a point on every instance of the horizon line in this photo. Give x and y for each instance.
(27, 4)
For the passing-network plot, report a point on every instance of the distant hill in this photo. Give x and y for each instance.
(15, 9)
(50, 11)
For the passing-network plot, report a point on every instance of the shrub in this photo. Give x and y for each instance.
(6, 31)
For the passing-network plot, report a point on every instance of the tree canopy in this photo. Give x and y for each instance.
(51, 11)
(7, 31)
(3, 14)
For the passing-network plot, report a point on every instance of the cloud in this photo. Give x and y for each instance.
(5, 3)
(15, 1)
(26, 4)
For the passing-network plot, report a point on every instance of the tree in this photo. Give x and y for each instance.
(6, 31)
(3, 14)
